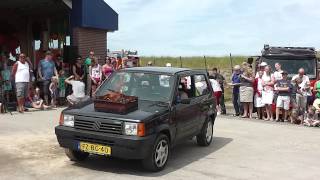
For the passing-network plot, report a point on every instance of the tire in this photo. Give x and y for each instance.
(154, 162)
(206, 135)
(76, 155)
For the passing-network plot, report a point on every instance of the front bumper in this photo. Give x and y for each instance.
(126, 147)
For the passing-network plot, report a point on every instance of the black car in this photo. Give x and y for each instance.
(174, 104)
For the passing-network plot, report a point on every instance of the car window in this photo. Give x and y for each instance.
(145, 86)
(201, 85)
(185, 87)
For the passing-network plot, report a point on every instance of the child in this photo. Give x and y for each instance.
(283, 88)
(34, 99)
(310, 119)
(258, 87)
(54, 91)
(296, 116)
(217, 91)
(62, 87)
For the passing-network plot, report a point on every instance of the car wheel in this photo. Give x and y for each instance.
(76, 155)
(158, 158)
(206, 135)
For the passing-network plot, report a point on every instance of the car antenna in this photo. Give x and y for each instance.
(180, 62)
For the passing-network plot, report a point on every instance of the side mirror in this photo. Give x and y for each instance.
(185, 101)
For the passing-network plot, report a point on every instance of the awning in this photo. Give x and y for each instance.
(93, 14)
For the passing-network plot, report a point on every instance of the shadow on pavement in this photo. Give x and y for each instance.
(181, 156)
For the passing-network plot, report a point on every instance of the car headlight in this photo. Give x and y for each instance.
(134, 129)
(66, 120)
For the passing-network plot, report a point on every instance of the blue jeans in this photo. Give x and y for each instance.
(236, 103)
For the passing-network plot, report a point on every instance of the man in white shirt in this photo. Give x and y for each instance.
(21, 75)
(304, 86)
(78, 91)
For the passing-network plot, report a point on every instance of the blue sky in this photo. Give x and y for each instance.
(213, 27)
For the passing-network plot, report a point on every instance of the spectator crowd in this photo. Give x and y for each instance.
(51, 84)
(271, 94)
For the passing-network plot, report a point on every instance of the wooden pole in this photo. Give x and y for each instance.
(231, 63)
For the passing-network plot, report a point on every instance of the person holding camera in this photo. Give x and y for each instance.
(78, 90)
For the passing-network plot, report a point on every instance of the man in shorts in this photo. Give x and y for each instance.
(283, 87)
(78, 91)
(21, 75)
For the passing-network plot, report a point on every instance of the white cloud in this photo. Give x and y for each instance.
(213, 27)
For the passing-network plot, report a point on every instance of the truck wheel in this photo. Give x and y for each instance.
(76, 155)
(158, 157)
(206, 135)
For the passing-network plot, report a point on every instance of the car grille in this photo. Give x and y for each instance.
(94, 140)
(98, 126)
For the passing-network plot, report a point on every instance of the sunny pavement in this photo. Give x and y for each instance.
(242, 149)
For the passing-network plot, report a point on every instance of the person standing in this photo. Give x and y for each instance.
(107, 68)
(62, 87)
(258, 87)
(235, 82)
(54, 91)
(21, 75)
(278, 72)
(219, 77)
(283, 87)
(217, 92)
(95, 75)
(316, 89)
(304, 88)
(6, 74)
(267, 93)
(246, 92)
(46, 71)
(78, 70)
(87, 64)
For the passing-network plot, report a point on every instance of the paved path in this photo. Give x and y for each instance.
(242, 149)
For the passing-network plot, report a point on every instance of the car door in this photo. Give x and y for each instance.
(186, 113)
(204, 99)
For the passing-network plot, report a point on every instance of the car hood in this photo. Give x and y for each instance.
(147, 110)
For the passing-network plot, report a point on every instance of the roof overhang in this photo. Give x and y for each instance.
(93, 14)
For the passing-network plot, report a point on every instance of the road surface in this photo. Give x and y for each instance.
(242, 149)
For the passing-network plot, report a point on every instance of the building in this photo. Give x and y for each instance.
(26, 24)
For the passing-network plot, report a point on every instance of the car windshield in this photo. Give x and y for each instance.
(293, 65)
(145, 86)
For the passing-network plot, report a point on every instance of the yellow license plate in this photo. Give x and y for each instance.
(95, 148)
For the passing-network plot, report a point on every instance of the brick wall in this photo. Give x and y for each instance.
(90, 39)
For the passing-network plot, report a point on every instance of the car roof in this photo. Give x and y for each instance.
(153, 69)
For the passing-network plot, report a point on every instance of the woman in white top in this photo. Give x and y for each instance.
(95, 71)
(267, 92)
(21, 73)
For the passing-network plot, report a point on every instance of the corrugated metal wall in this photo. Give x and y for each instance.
(90, 39)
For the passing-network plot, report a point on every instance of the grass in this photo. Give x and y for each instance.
(223, 64)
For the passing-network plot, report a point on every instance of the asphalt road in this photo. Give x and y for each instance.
(242, 149)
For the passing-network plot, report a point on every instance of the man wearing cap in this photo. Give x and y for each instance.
(283, 88)
(236, 85)
(46, 70)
